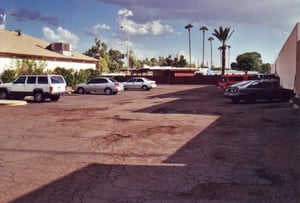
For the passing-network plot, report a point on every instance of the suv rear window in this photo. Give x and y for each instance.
(57, 79)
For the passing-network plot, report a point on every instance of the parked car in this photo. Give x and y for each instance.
(139, 83)
(100, 85)
(38, 86)
(253, 90)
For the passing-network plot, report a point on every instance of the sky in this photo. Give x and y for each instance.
(153, 28)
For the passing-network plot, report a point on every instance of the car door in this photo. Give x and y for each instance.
(18, 85)
(100, 85)
(139, 83)
(130, 84)
(31, 83)
(91, 85)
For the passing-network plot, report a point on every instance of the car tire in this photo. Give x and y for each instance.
(3, 94)
(39, 96)
(144, 87)
(54, 97)
(108, 91)
(80, 90)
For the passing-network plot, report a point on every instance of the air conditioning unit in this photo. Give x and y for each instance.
(62, 48)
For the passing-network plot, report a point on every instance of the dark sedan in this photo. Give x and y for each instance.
(254, 90)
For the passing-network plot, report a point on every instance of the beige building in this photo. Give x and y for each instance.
(16, 45)
(287, 64)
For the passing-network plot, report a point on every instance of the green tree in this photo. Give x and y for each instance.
(154, 62)
(265, 68)
(68, 74)
(29, 66)
(223, 35)
(182, 62)
(115, 60)
(8, 75)
(249, 61)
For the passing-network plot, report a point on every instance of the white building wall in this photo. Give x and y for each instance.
(6, 63)
(286, 62)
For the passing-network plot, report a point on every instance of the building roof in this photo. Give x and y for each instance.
(14, 44)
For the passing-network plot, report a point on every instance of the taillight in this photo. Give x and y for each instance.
(117, 84)
(236, 90)
(51, 89)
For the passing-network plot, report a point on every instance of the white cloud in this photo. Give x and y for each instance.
(155, 27)
(95, 30)
(61, 35)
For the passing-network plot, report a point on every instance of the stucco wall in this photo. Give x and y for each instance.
(6, 63)
(286, 62)
(297, 78)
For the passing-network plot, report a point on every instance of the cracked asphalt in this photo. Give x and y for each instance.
(175, 143)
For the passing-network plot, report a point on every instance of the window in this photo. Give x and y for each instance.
(139, 80)
(20, 80)
(101, 80)
(92, 81)
(57, 79)
(266, 85)
(42, 80)
(131, 80)
(31, 79)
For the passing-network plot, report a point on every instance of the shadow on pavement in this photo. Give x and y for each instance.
(228, 164)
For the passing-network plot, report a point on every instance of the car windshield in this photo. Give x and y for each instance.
(243, 83)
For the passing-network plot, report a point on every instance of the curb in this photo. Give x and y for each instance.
(12, 102)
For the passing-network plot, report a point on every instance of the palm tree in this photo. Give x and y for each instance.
(204, 28)
(228, 46)
(188, 27)
(210, 39)
(223, 34)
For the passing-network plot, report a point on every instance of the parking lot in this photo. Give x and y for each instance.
(174, 143)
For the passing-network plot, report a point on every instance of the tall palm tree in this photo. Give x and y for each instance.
(188, 27)
(223, 34)
(210, 39)
(203, 28)
(228, 46)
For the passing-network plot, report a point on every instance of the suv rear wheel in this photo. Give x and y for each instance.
(3, 94)
(54, 97)
(39, 96)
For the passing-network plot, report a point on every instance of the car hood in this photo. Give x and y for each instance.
(6, 84)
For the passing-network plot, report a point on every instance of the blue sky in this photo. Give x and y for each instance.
(156, 27)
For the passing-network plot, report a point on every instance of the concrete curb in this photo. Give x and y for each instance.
(12, 102)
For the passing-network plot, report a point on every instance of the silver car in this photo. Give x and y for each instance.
(100, 85)
(139, 83)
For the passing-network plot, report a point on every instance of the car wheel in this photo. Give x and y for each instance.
(3, 94)
(39, 96)
(144, 87)
(54, 97)
(80, 90)
(108, 91)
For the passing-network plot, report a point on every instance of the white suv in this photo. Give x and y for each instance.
(38, 86)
